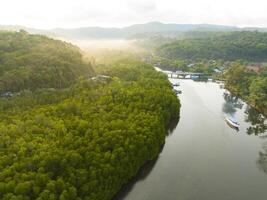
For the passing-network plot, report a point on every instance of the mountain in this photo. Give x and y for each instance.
(29, 30)
(133, 31)
(239, 45)
(137, 29)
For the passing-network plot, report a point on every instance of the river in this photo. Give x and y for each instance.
(203, 158)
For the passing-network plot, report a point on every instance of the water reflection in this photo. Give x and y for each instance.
(145, 169)
(172, 125)
(141, 175)
(231, 104)
(195, 163)
(262, 160)
(258, 126)
(257, 121)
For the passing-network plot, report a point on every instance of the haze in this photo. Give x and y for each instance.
(117, 13)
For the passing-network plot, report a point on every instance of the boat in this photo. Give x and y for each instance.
(175, 84)
(231, 121)
(177, 91)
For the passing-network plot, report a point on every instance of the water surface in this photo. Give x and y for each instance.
(203, 158)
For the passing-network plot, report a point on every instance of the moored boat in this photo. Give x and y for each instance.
(175, 84)
(232, 122)
(177, 91)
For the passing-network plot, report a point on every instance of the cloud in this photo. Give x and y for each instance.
(142, 7)
(69, 13)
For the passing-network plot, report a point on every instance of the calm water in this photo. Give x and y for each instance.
(203, 158)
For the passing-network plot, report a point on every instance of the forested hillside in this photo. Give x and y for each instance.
(250, 86)
(35, 61)
(249, 46)
(87, 141)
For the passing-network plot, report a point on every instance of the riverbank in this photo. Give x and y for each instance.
(89, 143)
(263, 111)
(144, 171)
(203, 158)
(248, 85)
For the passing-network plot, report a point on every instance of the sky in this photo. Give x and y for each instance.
(47, 14)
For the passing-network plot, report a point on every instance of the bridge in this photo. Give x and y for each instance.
(180, 74)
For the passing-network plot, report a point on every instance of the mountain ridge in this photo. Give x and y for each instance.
(96, 32)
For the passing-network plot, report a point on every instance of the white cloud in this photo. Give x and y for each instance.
(69, 13)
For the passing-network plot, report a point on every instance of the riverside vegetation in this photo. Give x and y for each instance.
(67, 138)
(229, 53)
(245, 45)
(248, 85)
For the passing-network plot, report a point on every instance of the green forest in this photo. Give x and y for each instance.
(248, 85)
(34, 61)
(249, 46)
(80, 132)
(226, 56)
(83, 141)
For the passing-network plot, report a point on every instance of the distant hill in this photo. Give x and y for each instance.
(245, 45)
(134, 31)
(137, 29)
(29, 30)
(34, 61)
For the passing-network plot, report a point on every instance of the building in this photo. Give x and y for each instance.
(217, 70)
(191, 65)
(254, 68)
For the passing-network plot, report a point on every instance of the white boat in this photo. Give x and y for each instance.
(175, 84)
(232, 122)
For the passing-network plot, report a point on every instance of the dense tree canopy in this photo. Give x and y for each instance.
(251, 46)
(88, 140)
(248, 85)
(35, 61)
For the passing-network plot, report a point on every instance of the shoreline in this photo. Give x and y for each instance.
(247, 102)
(146, 168)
